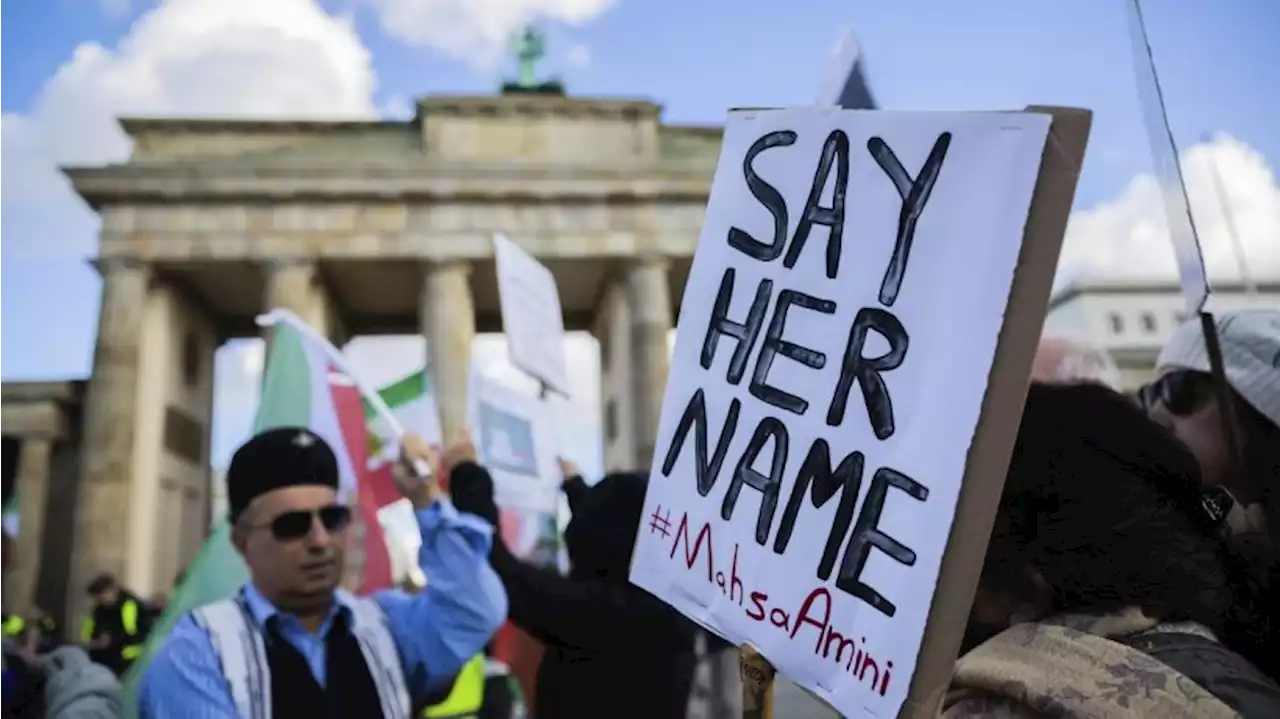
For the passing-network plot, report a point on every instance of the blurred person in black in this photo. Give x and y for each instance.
(612, 649)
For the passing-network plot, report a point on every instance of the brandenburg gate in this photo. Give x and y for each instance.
(377, 227)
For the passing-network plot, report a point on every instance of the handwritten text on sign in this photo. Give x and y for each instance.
(840, 250)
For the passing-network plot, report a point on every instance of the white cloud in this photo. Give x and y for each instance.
(476, 31)
(236, 58)
(228, 58)
(1128, 237)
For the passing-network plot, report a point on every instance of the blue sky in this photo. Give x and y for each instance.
(1216, 60)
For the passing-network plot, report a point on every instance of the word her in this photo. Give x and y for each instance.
(814, 613)
(816, 474)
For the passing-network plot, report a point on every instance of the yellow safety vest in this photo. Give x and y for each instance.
(128, 618)
(467, 695)
(13, 626)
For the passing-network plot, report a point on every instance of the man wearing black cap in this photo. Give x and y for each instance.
(291, 643)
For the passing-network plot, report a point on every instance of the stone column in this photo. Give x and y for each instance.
(107, 447)
(32, 485)
(649, 297)
(294, 285)
(449, 323)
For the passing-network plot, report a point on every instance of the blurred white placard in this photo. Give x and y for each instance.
(514, 440)
(531, 315)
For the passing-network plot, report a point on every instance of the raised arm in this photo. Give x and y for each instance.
(463, 604)
(559, 610)
(589, 615)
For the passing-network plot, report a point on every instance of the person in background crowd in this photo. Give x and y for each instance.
(1060, 358)
(291, 643)
(572, 484)
(160, 600)
(1183, 399)
(39, 631)
(612, 649)
(14, 626)
(48, 635)
(62, 684)
(117, 625)
(1103, 593)
(482, 690)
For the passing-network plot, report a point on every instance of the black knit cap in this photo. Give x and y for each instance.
(275, 459)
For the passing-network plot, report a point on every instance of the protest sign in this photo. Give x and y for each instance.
(514, 441)
(837, 332)
(531, 316)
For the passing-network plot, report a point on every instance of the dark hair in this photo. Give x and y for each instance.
(602, 534)
(1260, 446)
(1100, 502)
(100, 584)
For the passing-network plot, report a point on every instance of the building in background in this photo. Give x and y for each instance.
(217, 496)
(1133, 319)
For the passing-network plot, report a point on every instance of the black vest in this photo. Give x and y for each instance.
(349, 691)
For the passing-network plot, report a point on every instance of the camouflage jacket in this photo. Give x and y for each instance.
(1087, 667)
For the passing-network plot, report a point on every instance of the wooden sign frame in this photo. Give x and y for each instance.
(1001, 411)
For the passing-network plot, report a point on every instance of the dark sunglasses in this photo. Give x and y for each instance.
(1181, 392)
(297, 524)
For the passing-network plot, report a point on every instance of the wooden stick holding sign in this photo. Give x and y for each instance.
(758, 678)
(855, 345)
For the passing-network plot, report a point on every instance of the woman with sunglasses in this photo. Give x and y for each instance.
(1183, 399)
(291, 643)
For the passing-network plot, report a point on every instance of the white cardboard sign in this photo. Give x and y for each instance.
(836, 335)
(515, 442)
(531, 315)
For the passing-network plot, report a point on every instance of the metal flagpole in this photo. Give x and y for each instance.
(1228, 215)
(1182, 226)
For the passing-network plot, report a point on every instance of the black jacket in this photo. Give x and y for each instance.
(612, 649)
(110, 620)
(1218, 670)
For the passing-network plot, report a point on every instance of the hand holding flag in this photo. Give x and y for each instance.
(415, 485)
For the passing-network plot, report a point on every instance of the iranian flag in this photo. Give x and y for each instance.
(303, 386)
(412, 405)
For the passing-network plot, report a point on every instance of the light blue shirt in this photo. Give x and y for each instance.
(436, 631)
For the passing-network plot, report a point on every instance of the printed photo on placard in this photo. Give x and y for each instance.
(506, 441)
(516, 442)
